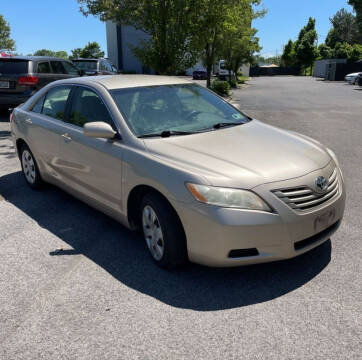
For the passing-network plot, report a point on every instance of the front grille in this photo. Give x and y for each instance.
(304, 198)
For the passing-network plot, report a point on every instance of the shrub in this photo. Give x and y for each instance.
(221, 88)
(233, 83)
(242, 79)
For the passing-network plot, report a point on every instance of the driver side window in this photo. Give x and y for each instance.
(88, 107)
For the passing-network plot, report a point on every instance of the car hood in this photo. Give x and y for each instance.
(353, 74)
(242, 156)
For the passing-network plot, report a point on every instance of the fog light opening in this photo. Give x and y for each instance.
(238, 253)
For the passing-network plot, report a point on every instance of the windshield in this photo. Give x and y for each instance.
(186, 108)
(86, 65)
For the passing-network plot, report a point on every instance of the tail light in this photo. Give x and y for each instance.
(28, 80)
(11, 118)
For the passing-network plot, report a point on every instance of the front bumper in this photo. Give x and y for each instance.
(213, 232)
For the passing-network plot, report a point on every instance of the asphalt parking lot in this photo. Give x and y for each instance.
(102, 297)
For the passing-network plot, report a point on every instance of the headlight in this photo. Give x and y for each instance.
(226, 197)
(333, 156)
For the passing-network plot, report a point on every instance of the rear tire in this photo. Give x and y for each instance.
(163, 232)
(30, 168)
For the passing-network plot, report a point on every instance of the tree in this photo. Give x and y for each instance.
(179, 31)
(61, 54)
(331, 39)
(289, 57)
(343, 51)
(258, 59)
(170, 25)
(216, 22)
(345, 28)
(5, 40)
(238, 42)
(305, 47)
(91, 50)
(75, 53)
(325, 52)
(357, 5)
(46, 52)
(210, 28)
(356, 53)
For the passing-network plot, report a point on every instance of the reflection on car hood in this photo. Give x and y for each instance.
(242, 156)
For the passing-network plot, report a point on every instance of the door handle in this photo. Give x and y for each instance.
(28, 121)
(66, 137)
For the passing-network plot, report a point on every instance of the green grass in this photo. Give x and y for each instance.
(243, 79)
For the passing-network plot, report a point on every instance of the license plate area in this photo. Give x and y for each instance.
(4, 84)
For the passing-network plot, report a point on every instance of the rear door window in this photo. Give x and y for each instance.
(56, 101)
(57, 67)
(44, 68)
(9, 67)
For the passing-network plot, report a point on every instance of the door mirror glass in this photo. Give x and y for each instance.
(99, 129)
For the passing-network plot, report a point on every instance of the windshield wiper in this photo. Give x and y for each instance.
(167, 133)
(226, 124)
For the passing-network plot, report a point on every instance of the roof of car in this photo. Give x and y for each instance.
(129, 81)
(87, 59)
(34, 58)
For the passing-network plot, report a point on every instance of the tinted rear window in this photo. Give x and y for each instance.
(44, 68)
(86, 65)
(8, 67)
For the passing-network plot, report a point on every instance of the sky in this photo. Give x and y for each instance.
(285, 18)
(58, 24)
(51, 24)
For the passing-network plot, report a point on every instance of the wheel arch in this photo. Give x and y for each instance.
(19, 143)
(134, 201)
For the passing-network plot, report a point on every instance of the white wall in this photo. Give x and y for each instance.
(320, 66)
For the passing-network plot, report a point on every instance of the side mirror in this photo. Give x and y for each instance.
(99, 129)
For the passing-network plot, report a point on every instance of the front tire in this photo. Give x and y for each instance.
(163, 232)
(30, 168)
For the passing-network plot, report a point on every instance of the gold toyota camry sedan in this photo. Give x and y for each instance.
(203, 181)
